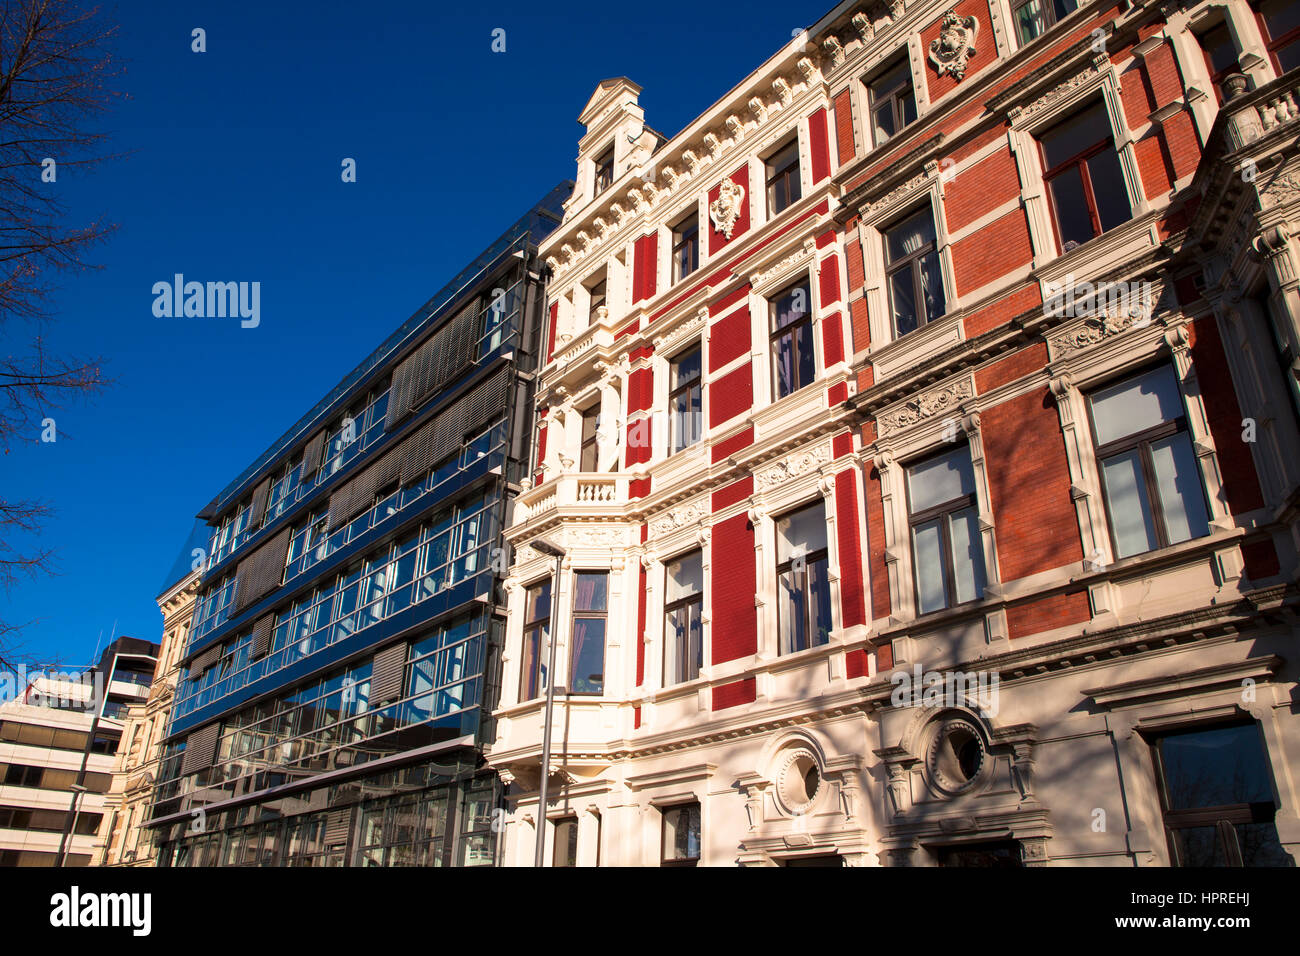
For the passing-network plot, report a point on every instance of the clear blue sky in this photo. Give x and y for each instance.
(233, 175)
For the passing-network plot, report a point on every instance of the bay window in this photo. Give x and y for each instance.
(803, 579)
(1149, 474)
(947, 551)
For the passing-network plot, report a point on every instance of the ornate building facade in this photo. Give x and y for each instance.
(918, 440)
(123, 840)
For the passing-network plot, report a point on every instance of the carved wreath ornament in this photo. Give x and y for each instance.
(725, 210)
(952, 49)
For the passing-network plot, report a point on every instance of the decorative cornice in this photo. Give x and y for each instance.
(926, 405)
(792, 466)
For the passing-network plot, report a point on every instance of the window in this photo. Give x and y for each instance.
(1217, 798)
(605, 171)
(947, 552)
(683, 618)
(803, 579)
(792, 339)
(587, 660)
(596, 299)
(686, 247)
(685, 399)
(1036, 17)
(1148, 468)
(589, 454)
(1280, 21)
(891, 102)
(1083, 177)
(681, 835)
(912, 272)
(783, 189)
(1220, 55)
(537, 631)
(566, 842)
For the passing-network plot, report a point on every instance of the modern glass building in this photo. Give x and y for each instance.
(343, 661)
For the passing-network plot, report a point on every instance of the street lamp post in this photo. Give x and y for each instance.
(543, 546)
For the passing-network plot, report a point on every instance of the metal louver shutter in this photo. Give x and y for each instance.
(259, 501)
(262, 571)
(205, 659)
(432, 365)
(200, 748)
(262, 636)
(337, 825)
(386, 675)
(311, 454)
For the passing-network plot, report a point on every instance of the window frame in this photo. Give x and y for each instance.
(791, 328)
(1051, 18)
(1212, 816)
(790, 175)
(943, 513)
(589, 442)
(910, 261)
(787, 566)
(538, 629)
(1273, 44)
(1078, 161)
(681, 239)
(1142, 441)
(895, 97)
(572, 849)
(696, 384)
(596, 299)
(670, 608)
(603, 171)
(688, 861)
(577, 615)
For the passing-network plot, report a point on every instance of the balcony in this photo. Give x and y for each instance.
(574, 493)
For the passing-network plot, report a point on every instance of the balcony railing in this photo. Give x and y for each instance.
(582, 492)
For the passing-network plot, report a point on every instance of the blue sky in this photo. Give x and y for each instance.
(233, 174)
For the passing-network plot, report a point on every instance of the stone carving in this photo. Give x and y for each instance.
(953, 48)
(783, 91)
(800, 254)
(1056, 93)
(685, 329)
(725, 210)
(926, 405)
(1284, 188)
(834, 51)
(677, 518)
(691, 160)
(757, 108)
(734, 126)
(897, 191)
(712, 145)
(808, 69)
(800, 463)
(862, 23)
(1106, 324)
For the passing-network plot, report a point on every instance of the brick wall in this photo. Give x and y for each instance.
(1046, 614)
(971, 263)
(733, 584)
(1029, 483)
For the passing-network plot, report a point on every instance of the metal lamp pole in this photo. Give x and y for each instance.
(546, 547)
